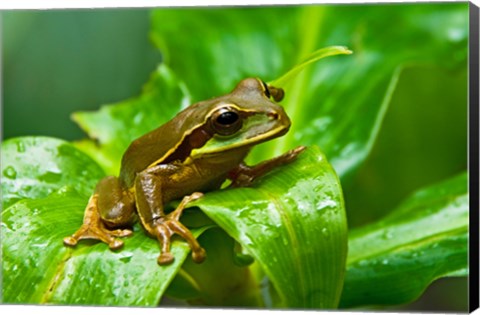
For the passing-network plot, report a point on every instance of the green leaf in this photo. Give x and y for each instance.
(38, 268)
(34, 167)
(235, 43)
(393, 260)
(33, 230)
(292, 221)
(338, 103)
(219, 280)
(115, 126)
(315, 56)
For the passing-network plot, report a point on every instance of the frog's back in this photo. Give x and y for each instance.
(143, 152)
(159, 144)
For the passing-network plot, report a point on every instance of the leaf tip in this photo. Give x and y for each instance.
(74, 117)
(344, 50)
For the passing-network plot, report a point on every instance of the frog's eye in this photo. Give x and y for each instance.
(226, 121)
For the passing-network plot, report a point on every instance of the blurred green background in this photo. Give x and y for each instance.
(58, 62)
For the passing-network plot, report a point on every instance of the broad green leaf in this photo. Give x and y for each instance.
(91, 274)
(233, 44)
(115, 126)
(34, 167)
(38, 268)
(292, 221)
(338, 103)
(393, 260)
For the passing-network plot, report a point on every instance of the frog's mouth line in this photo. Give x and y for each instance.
(273, 133)
(226, 144)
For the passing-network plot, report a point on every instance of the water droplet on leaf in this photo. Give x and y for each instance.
(325, 232)
(10, 172)
(20, 147)
(387, 235)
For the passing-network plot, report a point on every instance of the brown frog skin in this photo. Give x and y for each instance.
(193, 153)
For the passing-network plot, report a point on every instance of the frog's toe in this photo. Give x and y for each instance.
(299, 149)
(115, 244)
(194, 196)
(165, 258)
(199, 255)
(97, 233)
(292, 154)
(70, 241)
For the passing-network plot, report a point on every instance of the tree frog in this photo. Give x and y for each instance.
(193, 153)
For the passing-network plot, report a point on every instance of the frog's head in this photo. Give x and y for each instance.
(243, 118)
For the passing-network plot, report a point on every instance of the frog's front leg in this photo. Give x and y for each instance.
(151, 194)
(244, 175)
(110, 206)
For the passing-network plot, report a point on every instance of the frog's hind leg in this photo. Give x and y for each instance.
(109, 207)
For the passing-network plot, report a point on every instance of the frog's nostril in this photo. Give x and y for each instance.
(273, 115)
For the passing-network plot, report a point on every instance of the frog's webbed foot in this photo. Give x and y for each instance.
(169, 225)
(244, 175)
(94, 228)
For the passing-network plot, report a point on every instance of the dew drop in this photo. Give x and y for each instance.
(63, 190)
(10, 172)
(325, 232)
(363, 262)
(20, 147)
(387, 235)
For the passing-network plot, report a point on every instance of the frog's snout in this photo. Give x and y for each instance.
(280, 116)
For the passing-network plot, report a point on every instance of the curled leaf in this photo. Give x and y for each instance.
(393, 260)
(313, 57)
(292, 221)
(39, 268)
